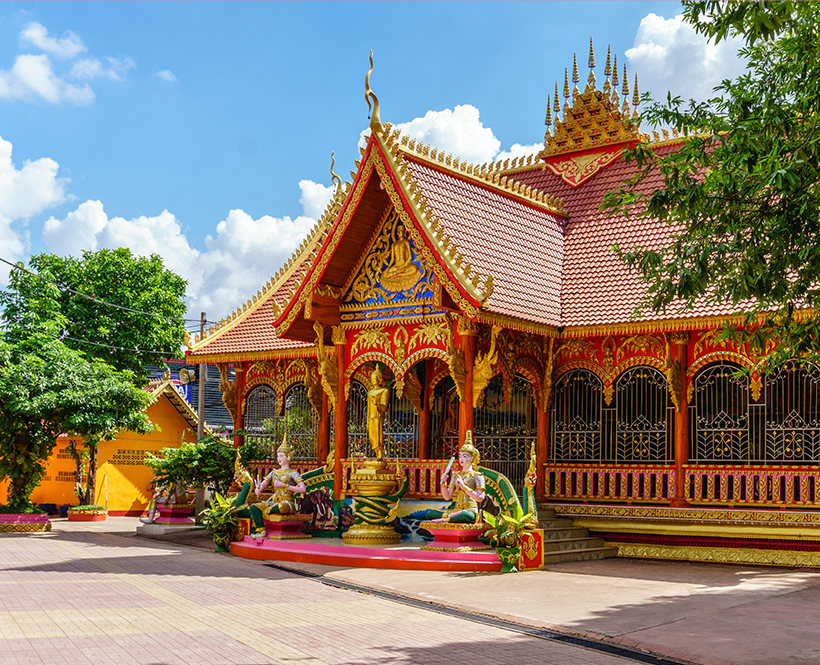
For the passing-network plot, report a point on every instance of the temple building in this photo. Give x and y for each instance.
(491, 300)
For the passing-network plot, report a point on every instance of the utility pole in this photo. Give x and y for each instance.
(202, 376)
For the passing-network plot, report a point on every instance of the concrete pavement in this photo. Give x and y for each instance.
(158, 602)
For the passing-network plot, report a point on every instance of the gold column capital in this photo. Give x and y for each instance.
(338, 335)
(680, 337)
(467, 326)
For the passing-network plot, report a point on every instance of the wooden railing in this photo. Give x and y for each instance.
(612, 482)
(735, 485)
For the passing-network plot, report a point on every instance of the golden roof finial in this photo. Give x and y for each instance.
(566, 89)
(615, 81)
(333, 176)
(636, 98)
(575, 77)
(591, 79)
(607, 71)
(556, 105)
(375, 119)
(548, 118)
(625, 89)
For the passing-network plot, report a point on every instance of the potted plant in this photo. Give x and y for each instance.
(87, 513)
(221, 521)
(506, 534)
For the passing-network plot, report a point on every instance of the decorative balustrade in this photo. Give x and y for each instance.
(424, 476)
(733, 485)
(613, 482)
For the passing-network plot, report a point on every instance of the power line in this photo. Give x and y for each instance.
(92, 298)
(107, 346)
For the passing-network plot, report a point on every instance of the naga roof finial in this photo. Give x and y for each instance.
(375, 119)
(336, 179)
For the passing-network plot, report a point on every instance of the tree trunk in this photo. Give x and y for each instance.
(90, 492)
(78, 471)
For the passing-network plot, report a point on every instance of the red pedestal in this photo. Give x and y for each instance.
(24, 523)
(449, 537)
(174, 514)
(286, 527)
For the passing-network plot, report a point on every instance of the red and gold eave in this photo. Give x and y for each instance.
(377, 184)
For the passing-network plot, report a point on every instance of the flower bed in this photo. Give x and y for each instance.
(18, 522)
(87, 514)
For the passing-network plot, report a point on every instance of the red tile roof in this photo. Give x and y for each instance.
(596, 287)
(519, 244)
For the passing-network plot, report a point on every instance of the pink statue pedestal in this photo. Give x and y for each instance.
(174, 514)
(24, 523)
(452, 537)
(287, 527)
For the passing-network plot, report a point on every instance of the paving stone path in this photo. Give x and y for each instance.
(78, 595)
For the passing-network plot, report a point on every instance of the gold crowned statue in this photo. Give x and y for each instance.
(401, 273)
(377, 399)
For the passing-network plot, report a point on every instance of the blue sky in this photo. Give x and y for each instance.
(203, 131)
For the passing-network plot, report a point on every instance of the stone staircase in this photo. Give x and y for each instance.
(563, 541)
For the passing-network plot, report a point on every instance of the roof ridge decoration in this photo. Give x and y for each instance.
(297, 264)
(494, 174)
(595, 128)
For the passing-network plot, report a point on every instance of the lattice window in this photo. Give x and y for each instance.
(445, 419)
(504, 432)
(261, 416)
(300, 422)
(792, 428)
(644, 418)
(720, 422)
(577, 418)
(401, 426)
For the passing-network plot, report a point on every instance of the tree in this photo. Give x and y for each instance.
(742, 193)
(207, 464)
(71, 300)
(47, 389)
(146, 325)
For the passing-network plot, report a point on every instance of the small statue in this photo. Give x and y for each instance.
(465, 488)
(377, 399)
(163, 495)
(286, 483)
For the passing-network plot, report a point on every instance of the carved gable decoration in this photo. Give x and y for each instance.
(391, 280)
(577, 169)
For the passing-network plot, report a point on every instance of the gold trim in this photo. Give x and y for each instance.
(703, 515)
(30, 527)
(521, 325)
(298, 352)
(719, 555)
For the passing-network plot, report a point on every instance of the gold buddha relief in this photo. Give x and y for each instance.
(401, 273)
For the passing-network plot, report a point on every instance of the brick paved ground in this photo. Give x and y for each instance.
(88, 595)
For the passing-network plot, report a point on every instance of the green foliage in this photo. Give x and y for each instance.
(741, 194)
(207, 464)
(28, 509)
(221, 517)
(47, 389)
(508, 527)
(254, 450)
(112, 275)
(86, 509)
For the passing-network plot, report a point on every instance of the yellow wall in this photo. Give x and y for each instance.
(120, 468)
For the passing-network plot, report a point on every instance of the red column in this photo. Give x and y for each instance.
(238, 421)
(542, 429)
(426, 416)
(680, 353)
(468, 332)
(340, 408)
(323, 430)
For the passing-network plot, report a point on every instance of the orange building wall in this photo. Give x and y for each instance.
(123, 480)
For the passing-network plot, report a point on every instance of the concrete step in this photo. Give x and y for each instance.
(571, 544)
(592, 554)
(556, 523)
(565, 532)
(545, 513)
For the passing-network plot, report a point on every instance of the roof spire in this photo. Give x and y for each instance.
(607, 71)
(566, 89)
(556, 105)
(636, 98)
(575, 77)
(375, 119)
(591, 79)
(615, 99)
(548, 119)
(625, 92)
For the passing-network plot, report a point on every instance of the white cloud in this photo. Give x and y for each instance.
(458, 132)
(68, 46)
(669, 56)
(32, 77)
(242, 256)
(91, 68)
(24, 193)
(518, 150)
(166, 75)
